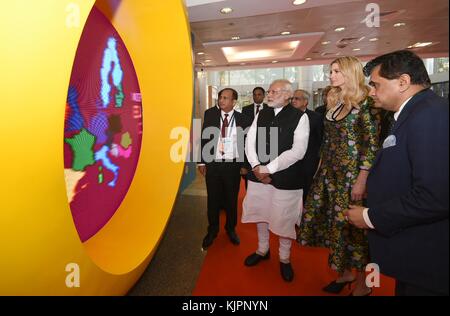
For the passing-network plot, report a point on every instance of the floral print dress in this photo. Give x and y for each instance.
(349, 145)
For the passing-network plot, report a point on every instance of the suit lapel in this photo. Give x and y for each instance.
(409, 108)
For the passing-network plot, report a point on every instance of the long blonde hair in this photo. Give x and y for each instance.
(355, 90)
(333, 97)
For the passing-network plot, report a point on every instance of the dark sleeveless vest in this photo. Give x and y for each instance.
(285, 123)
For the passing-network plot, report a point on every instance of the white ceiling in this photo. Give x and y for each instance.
(262, 21)
(210, 10)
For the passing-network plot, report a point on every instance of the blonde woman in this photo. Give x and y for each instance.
(348, 150)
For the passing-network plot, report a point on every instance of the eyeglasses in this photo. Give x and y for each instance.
(274, 91)
(298, 98)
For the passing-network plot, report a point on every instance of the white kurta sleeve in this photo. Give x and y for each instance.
(298, 150)
(250, 144)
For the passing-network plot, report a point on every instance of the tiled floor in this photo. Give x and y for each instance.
(176, 265)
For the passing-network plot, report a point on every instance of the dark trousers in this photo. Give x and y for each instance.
(222, 184)
(404, 289)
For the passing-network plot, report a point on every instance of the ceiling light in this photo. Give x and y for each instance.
(423, 44)
(309, 58)
(399, 24)
(286, 33)
(200, 53)
(294, 44)
(226, 10)
(339, 29)
(298, 2)
(326, 43)
(356, 49)
(239, 54)
(275, 61)
(374, 39)
(236, 38)
(208, 61)
(420, 44)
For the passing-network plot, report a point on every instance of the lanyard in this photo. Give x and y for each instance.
(230, 125)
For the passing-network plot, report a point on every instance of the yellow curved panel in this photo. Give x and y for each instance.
(38, 238)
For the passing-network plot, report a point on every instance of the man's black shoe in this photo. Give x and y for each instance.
(254, 258)
(286, 271)
(234, 238)
(207, 241)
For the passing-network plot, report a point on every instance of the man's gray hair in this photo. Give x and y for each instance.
(306, 94)
(286, 83)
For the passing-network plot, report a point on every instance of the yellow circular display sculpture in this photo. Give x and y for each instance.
(41, 251)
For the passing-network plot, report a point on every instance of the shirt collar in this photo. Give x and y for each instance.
(397, 114)
(230, 114)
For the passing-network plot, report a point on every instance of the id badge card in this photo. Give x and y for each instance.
(228, 147)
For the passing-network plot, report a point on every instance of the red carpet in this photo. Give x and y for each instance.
(224, 274)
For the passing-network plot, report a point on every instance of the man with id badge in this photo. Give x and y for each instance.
(223, 157)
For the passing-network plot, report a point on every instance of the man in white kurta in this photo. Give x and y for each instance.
(275, 209)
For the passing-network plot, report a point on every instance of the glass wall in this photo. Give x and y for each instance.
(311, 78)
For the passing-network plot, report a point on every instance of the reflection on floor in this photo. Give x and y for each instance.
(176, 265)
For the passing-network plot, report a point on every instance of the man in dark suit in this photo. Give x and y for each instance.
(258, 104)
(222, 159)
(408, 183)
(312, 157)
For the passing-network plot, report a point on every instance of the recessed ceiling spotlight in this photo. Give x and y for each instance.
(235, 38)
(208, 61)
(374, 39)
(309, 58)
(356, 49)
(226, 10)
(339, 29)
(326, 43)
(399, 24)
(200, 53)
(286, 33)
(275, 61)
(298, 2)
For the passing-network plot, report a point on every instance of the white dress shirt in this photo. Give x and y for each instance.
(230, 132)
(260, 108)
(366, 210)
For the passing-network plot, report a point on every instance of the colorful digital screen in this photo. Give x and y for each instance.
(103, 126)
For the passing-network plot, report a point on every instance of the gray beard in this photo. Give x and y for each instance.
(276, 106)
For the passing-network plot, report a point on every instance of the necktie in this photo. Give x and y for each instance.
(224, 126)
(257, 109)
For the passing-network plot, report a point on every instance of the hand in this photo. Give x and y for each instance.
(202, 170)
(354, 215)
(259, 174)
(359, 188)
(244, 171)
(266, 180)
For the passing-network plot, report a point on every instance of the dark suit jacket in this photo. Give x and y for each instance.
(321, 110)
(312, 156)
(212, 119)
(249, 110)
(408, 200)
